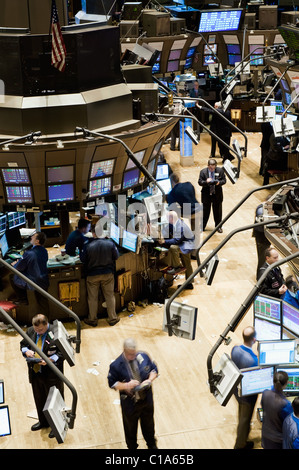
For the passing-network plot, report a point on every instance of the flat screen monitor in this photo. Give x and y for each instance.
(131, 178)
(3, 222)
(5, 429)
(162, 171)
(209, 60)
(233, 58)
(61, 192)
(255, 380)
(139, 156)
(290, 318)
(276, 352)
(233, 49)
(190, 52)
(210, 49)
(103, 168)
(165, 185)
(60, 174)
(2, 400)
(100, 187)
(55, 413)
(16, 219)
(278, 106)
(129, 241)
(114, 232)
(151, 166)
(4, 245)
(188, 63)
(285, 85)
(174, 54)
(292, 387)
(267, 330)
(15, 176)
(267, 308)
(287, 97)
(219, 20)
(13, 237)
(173, 65)
(183, 320)
(19, 194)
(156, 67)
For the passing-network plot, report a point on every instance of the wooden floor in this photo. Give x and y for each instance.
(187, 416)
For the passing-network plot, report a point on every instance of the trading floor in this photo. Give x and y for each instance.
(187, 415)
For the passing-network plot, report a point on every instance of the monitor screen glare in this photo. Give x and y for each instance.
(129, 241)
(162, 171)
(276, 352)
(219, 20)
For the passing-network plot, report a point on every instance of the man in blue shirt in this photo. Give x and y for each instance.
(290, 427)
(77, 238)
(244, 357)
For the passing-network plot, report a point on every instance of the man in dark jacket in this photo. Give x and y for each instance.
(211, 179)
(41, 375)
(274, 283)
(99, 256)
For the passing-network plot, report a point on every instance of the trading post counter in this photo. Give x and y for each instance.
(68, 285)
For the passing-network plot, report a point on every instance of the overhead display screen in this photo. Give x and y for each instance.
(15, 175)
(219, 20)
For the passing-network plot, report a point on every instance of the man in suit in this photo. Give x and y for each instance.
(274, 283)
(211, 179)
(41, 376)
(132, 374)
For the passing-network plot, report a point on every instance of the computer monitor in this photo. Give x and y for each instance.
(267, 330)
(230, 377)
(55, 413)
(5, 428)
(3, 222)
(183, 320)
(173, 65)
(219, 20)
(60, 174)
(114, 232)
(233, 48)
(278, 106)
(267, 308)
(290, 318)
(139, 156)
(151, 166)
(234, 58)
(129, 241)
(174, 54)
(210, 269)
(255, 380)
(165, 185)
(209, 60)
(15, 175)
(14, 238)
(16, 219)
(61, 192)
(4, 245)
(276, 352)
(102, 168)
(190, 52)
(131, 178)
(100, 187)
(154, 206)
(162, 171)
(19, 194)
(63, 341)
(2, 399)
(292, 387)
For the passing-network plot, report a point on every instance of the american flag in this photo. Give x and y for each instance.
(58, 46)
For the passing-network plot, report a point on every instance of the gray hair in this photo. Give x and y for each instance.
(130, 344)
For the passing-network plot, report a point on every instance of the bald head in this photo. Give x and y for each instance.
(249, 336)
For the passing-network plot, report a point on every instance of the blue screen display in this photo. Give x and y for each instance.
(61, 192)
(219, 20)
(129, 241)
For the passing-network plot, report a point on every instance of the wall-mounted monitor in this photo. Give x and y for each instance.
(220, 20)
(267, 308)
(276, 352)
(3, 222)
(139, 156)
(19, 194)
(102, 168)
(183, 320)
(188, 63)
(61, 192)
(290, 318)
(255, 380)
(209, 60)
(129, 241)
(5, 428)
(233, 48)
(100, 187)
(15, 175)
(190, 52)
(233, 58)
(60, 174)
(292, 387)
(16, 219)
(173, 66)
(4, 246)
(210, 49)
(130, 178)
(114, 232)
(174, 54)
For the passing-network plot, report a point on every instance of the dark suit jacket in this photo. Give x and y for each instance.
(272, 282)
(202, 181)
(49, 349)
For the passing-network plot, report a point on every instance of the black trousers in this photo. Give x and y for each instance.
(214, 203)
(143, 411)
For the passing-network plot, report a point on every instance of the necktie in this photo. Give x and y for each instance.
(136, 376)
(212, 187)
(39, 344)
